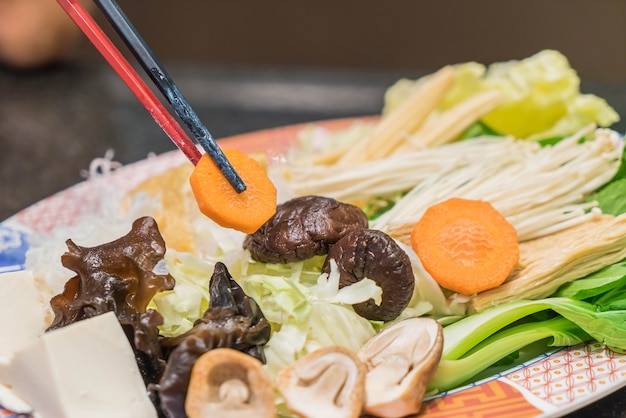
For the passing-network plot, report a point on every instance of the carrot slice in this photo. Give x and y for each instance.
(245, 211)
(467, 246)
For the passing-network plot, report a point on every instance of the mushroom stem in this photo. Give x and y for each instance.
(389, 371)
(228, 383)
(401, 360)
(234, 392)
(328, 383)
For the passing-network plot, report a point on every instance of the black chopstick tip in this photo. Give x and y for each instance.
(231, 175)
(239, 186)
(215, 153)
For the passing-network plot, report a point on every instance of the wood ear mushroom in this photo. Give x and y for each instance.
(228, 383)
(401, 360)
(328, 383)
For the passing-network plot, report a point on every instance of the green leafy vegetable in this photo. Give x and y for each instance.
(621, 171)
(379, 205)
(453, 373)
(611, 197)
(478, 129)
(476, 342)
(598, 283)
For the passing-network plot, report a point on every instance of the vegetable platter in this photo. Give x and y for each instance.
(543, 337)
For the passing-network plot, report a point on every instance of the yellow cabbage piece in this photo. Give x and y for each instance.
(542, 96)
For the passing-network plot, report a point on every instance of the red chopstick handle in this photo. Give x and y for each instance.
(135, 83)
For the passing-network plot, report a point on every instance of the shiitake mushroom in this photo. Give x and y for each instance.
(228, 383)
(401, 361)
(372, 254)
(302, 228)
(326, 383)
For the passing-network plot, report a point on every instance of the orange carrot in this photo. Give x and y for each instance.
(245, 211)
(467, 246)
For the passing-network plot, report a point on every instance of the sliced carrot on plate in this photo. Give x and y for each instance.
(466, 245)
(245, 211)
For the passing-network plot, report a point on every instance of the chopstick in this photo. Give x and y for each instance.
(168, 88)
(138, 87)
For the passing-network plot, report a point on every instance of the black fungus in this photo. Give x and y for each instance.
(302, 228)
(233, 320)
(119, 277)
(373, 254)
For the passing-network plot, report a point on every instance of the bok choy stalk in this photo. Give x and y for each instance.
(452, 373)
(474, 343)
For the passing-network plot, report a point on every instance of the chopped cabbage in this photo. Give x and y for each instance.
(305, 308)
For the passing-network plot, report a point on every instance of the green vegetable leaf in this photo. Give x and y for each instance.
(613, 300)
(477, 342)
(598, 283)
(621, 171)
(453, 373)
(379, 205)
(611, 197)
(478, 129)
(550, 141)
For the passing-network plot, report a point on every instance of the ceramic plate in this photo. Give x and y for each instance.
(553, 384)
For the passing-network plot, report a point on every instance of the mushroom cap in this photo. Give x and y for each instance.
(327, 383)
(401, 360)
(303, 227)
(376, 255)
(227, 383)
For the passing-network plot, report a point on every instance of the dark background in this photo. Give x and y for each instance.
(408, 35)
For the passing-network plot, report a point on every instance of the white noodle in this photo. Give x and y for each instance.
(540, 190)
